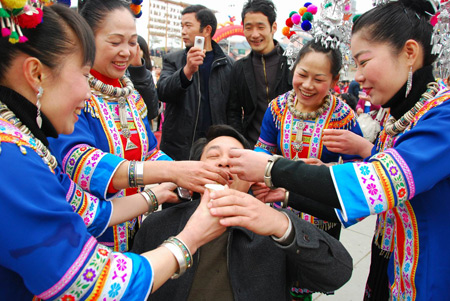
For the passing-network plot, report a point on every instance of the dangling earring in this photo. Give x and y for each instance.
(38, 105)
(409, 82)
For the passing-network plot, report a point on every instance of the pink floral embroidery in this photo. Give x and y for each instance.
(372, 188)
(121, 265)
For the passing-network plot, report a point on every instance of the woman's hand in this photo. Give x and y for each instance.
(164, 193)
(267, 195)
(313, 161)
(202, 227)
(248, 165)
(240, 209)
(193, 175)
(346, 142)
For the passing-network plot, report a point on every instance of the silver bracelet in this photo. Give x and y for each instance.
(286, 198)
(268, 171)
(286, 234)
(151, 200)
(178, 254)
(139, 176)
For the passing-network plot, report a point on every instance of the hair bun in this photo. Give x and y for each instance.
(425, 8)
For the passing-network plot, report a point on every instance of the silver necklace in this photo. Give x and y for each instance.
(45, 154)
(109, 92)
(394, 127)
(298, 142)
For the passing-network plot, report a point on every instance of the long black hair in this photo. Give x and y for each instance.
(397, 22)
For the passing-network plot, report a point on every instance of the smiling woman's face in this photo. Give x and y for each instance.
(380, 71)
(116, 43)
(312, 80)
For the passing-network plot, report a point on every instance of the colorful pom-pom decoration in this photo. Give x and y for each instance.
(65, 2)
(13, 4)
(296, 18)
(356, 17)
(6, 32)
(291, 13)
(31, 19)
(306, 25)
(135, 8)
(4, 13)
(302, 10)
(137, 2)
(301, 20)
(14, 37)
(289, 22)
(307, 16)
(328, 5)
(312, 9)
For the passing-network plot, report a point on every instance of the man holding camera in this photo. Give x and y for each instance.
(194, 84)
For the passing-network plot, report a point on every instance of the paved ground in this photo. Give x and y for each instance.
(357, 239)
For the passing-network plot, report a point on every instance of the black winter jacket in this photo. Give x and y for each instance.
(182, 105)
(143, 82)
(259, 268)
(242, 98)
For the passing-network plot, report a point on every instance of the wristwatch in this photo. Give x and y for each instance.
(268, 170)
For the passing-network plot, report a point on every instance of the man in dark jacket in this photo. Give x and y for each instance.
(194, 83)
(260, 76)
(259, 255)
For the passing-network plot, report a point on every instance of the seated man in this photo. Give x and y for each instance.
(262, 251)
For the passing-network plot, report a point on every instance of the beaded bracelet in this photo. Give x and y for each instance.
(151, 200)
(132, 174)
(181, 253)
(139, 175)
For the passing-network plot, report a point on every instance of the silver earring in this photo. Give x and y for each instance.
(38, 105)
(409, 82)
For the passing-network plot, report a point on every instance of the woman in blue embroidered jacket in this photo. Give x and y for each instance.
(46, 249)
(406, 181)
(294, 122)
(113, 132)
